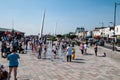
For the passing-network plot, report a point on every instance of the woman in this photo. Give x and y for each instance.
(54, 51)
(13, 63)
(39, 50)
(85, 48)
(69, 53)
(82, 48)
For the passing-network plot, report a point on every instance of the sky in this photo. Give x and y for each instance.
(61, 16)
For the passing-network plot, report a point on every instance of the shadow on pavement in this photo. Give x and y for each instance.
(77, 62)
(89, 54)
(79, 59)
(101, 56)
(46, 58)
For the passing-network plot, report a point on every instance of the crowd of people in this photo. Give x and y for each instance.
(10, 49)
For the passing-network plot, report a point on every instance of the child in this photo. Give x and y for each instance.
(73, 53)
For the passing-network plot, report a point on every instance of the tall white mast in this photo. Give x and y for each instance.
(41, 30)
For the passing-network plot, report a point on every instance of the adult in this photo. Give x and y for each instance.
(39, 50)
(95, 49)
(45, 50)
(15, 44)
(69, 53)
(85, 48)
(13, 63)
(20, 47)
(64, 45)
(3, 49)
(54, 51)
(26, 43)
(82, 48)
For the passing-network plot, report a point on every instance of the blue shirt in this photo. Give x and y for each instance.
(13, 59)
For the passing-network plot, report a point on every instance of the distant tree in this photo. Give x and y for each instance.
(70, 36)
(67, 35)
(54, 39)
(59, 35)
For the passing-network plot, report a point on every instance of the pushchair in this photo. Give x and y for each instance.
(3, 73)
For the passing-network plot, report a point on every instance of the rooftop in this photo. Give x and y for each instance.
(6, 29)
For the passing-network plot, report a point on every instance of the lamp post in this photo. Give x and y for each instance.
(114, 22)
(102, 27)
(113, 35)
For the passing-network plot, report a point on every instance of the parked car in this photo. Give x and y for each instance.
(90, 40)
(117, 48)
(101, 42)
(95, 41)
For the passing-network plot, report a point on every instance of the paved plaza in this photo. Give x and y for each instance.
(84, 67)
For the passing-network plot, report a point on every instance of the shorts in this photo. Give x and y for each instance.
(45, 49)
(54, 52)
(12, 66)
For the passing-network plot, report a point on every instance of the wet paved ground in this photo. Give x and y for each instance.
(84, 67)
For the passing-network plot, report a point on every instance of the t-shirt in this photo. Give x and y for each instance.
(13, 59)
(81, 47)
(85, 46)
(69, 50)
(73, 50)
(54, 48)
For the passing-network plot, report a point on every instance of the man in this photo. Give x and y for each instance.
(95, 49)
(69, 53)
(45, 50)
(54, 50)
(13, 63)
(39, 50)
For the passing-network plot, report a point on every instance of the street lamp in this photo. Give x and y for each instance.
(102, 27)
(115, 22)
